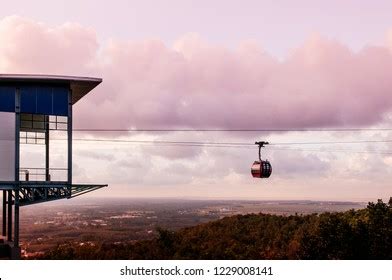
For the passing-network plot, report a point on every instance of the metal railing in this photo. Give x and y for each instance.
(27, 174)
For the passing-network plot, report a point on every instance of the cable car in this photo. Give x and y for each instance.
(261, 168)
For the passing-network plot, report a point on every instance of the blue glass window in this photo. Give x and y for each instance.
(45, 100)
(7, 99)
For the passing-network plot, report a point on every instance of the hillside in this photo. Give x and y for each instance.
(354, 234)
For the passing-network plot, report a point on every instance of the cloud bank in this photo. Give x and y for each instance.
(195, 84)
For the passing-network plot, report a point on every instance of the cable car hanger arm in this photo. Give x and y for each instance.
(261, 145)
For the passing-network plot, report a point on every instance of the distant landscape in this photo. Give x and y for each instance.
(93, 223)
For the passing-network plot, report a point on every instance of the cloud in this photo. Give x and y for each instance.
(96, 155)
(28, 46)
(295, 164)
(174, 152)
(196, 84)
(389, 39)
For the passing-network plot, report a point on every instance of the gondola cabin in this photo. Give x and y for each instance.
(261, 169)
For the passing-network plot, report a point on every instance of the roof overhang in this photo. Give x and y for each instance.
(80, 86)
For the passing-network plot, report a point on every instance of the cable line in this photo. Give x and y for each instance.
(332, 142)
(226, 143)
(233, 130)
(164, 142)
(385, 152)
(275, 146)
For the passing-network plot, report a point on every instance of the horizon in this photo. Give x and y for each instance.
(86, 201)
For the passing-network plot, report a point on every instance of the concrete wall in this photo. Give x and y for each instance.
(7, 146)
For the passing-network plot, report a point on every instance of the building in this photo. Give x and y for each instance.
(31, 108)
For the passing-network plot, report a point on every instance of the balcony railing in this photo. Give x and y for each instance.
(39, 174)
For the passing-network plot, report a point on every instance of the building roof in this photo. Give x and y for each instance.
(80, 86)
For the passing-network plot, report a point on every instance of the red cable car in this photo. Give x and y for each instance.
(261, 168)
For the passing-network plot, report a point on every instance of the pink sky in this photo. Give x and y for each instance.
(276, 25)
(197, 84)
(224, 66)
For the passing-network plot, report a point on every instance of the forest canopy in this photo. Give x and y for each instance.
(354, 234)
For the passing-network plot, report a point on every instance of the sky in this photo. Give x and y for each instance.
(217, 64)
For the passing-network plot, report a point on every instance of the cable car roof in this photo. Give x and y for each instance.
(80, 86)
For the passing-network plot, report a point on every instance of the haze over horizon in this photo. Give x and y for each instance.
(191, 64)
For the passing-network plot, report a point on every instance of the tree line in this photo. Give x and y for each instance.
(354, 234)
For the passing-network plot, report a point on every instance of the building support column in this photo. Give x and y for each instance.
(17, 180)
(9, 203)
(4, 231)
(17, 135)
(47, 166)
(69, 130)
(16, 219)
